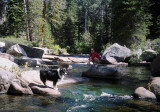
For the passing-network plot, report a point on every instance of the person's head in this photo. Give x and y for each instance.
(92, 50)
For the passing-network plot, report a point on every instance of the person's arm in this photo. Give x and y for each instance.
(98, 56)
(89, 60)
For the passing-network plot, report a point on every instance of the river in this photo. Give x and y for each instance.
(94, 95)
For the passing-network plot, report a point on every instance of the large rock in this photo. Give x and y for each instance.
(7, 56)
(31, 52)
(109, 60)
(16, 50)
(43, 90)
(148, 55)
(32, 78)
(6, 78)
(155, 87)
(143, 93)
(155, 67)
(7, 64)
(102, 72)
(117, 52)
(19, 87)
(12, 84)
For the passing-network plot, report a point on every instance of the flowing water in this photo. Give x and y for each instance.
(91, 96)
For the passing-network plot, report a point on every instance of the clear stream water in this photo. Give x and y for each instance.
(91, 96)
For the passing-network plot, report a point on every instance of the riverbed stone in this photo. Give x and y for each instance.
(102, 72)
(116, 51)
(143, 93)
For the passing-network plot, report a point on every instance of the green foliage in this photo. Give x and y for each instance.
(15, 17)
(77, 25)
(12, 38)
(131, 21)
(135, 59)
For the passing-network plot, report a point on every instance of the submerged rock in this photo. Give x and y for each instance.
(102, 72)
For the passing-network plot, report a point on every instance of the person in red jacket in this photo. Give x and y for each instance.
(94, 57)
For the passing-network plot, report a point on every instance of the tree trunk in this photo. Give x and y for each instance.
(26, 5)
(86, 20)
(43, 25)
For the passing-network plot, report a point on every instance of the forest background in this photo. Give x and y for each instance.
(78, 25)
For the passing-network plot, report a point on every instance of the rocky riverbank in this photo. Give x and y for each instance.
(20, 66)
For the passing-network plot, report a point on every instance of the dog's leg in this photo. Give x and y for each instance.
(44, 82)
(55, 85)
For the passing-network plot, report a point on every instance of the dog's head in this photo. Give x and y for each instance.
(63, 71)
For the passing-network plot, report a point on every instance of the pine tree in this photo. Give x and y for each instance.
(130, 21)
(15, 17)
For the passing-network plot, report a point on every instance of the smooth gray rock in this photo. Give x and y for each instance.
(155, 87)
(102, 72)
(12, 84)
(6, 78)
(117, 52)
(7, 56)
(19, 87)
(16, 50)
(31, 52)
(7, 64)
(143, 93)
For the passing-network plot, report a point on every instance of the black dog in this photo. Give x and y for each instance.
(52, 75)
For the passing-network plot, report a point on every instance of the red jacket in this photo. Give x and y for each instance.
(95, 54)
